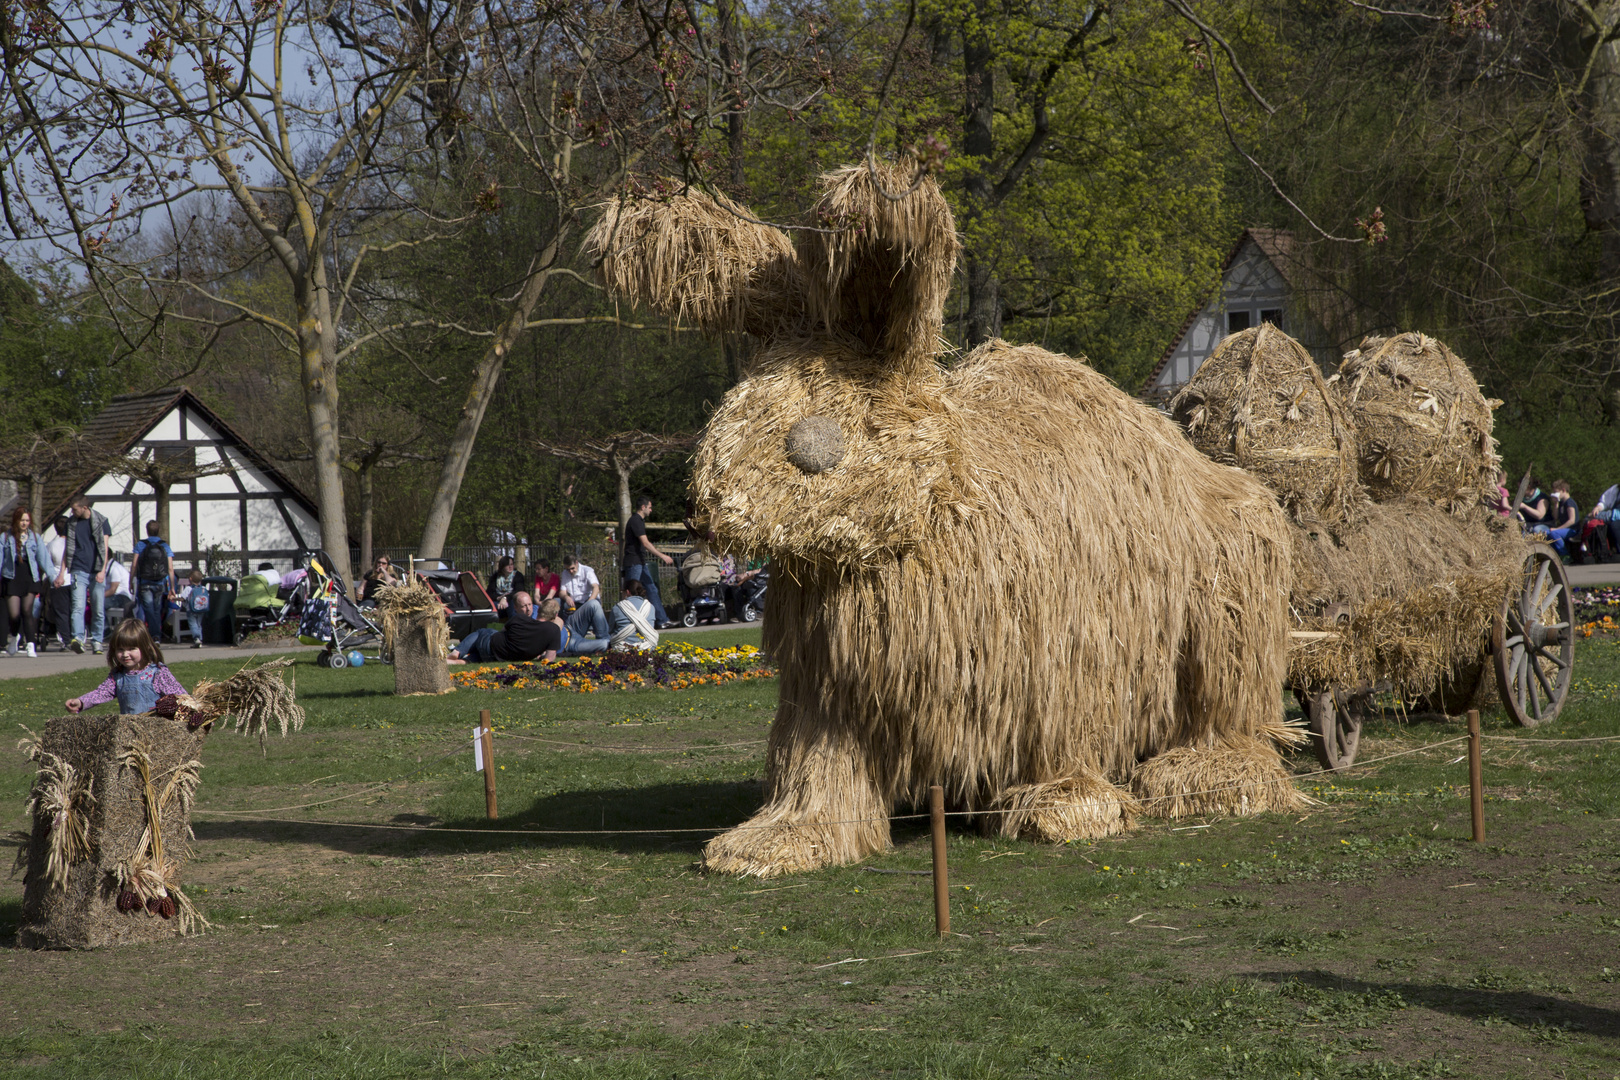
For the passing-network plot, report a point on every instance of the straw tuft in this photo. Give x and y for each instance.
(1237, 780)
(1260, 403)
(878, 267)
(1084, 806)
(256, 697)
(697, 258)
(1425, 427)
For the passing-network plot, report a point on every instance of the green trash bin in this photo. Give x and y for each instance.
(219, 621)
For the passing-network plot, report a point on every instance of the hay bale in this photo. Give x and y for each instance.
(700, 259)
(416, 638)
(1423, 423)
(1408, 593)
(110, 774)
(1260, 403)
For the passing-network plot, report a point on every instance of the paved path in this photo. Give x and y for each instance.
(58, 663)
(1590, 574)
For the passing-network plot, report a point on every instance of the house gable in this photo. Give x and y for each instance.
(1264, 279)
(250, 508)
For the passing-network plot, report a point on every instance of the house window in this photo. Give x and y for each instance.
(1274, 316)
(1236, 320)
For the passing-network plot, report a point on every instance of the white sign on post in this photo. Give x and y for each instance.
(478, 749)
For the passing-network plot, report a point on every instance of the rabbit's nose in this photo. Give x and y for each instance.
(815, 444)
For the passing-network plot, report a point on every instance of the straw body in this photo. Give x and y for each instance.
(1008, 578)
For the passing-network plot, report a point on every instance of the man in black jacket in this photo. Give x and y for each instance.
(523, 638)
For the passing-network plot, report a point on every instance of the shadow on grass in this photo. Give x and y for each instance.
(1523, 1007)
(655, 818)
(10, 921)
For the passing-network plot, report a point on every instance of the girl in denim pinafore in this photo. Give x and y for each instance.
(139, 677)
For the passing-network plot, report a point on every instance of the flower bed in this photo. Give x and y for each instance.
(677, 666)
(1597, 611)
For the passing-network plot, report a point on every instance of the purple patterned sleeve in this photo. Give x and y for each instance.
(165, 683)
(106, 692)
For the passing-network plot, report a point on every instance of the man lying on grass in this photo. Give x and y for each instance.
(528, 638)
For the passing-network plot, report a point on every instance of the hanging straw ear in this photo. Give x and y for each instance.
(880, 266)
(700, 259)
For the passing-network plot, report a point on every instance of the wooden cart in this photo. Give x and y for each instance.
(1530, 649)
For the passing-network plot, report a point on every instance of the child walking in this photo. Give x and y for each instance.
(138, 677)
(194, 602)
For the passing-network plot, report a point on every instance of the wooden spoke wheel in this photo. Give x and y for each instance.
(1534, 642)
(1335, 728)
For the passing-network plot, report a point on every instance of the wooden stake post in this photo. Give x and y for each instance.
(942, 896)
(1476, 777)
(489, 764)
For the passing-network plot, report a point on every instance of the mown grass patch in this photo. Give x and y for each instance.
(1366, 938)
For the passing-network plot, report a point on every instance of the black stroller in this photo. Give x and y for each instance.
(702, 596)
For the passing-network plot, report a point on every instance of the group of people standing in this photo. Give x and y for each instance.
(70, 577)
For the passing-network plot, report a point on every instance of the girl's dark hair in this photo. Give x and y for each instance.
(506, 560)
(132, 634)
(634, 588)
(17, 514)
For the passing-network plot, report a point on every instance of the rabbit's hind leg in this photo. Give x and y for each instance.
(1084, 806)
(1245, 776)
(823, 810)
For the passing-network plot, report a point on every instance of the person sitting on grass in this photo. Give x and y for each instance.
(522, 638)
(633, 620)
(139, 676)
(587, 618)
(546, 584)
(505, 583)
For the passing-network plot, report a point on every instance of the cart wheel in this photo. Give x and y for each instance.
(338, 660)
(750, 613)
(689, 619)
(323, 659)
(1534, 642)
(1335, 729)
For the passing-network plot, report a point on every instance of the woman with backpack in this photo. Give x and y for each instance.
(154, 579)
(25, 567)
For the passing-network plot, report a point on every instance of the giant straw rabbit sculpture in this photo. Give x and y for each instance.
(1006, 577)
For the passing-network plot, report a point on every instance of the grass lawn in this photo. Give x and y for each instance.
(1367, 938)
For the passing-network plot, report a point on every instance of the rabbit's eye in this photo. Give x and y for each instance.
(815, 444)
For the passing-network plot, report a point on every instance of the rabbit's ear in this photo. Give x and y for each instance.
(879, 259)
(700, 259)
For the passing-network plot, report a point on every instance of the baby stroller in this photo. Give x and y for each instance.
(702, 595)
(751, 602)
(259, 607)
(467, 605)
(329, 617)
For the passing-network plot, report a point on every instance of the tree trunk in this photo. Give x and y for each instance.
(485, 378)
(366, 467)
(731, 58)
(979, 145)
(317, 349)
(36, 501)
(625, 509)
(161, 514)
(1599, 119)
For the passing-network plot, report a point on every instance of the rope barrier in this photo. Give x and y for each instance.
(626, 749)
(774, 825)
